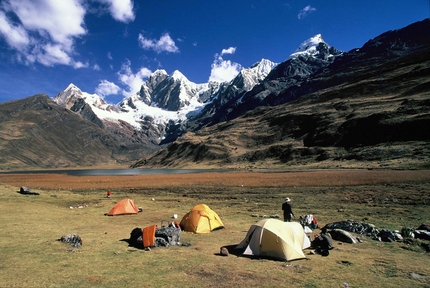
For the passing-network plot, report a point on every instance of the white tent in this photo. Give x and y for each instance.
(274, 238)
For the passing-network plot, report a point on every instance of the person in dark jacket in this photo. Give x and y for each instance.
(288, 210)
(323, 243)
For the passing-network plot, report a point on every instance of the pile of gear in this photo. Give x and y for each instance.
(153, 236)
(308, 221)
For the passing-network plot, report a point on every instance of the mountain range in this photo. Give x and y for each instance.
(321, 107)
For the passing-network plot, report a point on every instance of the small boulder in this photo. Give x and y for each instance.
(223, 251)
(424, 227)
(342, 235)
(72, 239)
(386, 236)
(422, 234)
(27, 191)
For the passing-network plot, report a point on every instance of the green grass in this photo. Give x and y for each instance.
(32, 257)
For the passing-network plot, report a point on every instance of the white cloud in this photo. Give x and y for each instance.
(305, 12)
(132, 80)
(230, 50)
(164, 44)
(79, 64)
(96, 67)
(109, 56)
(45, 31)
(51, 54)
(107, 88)
(15, 35)
(121, 10)
(224, 70)
(58, 21)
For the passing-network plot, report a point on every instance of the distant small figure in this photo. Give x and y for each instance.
(108, 194)
(288, 210)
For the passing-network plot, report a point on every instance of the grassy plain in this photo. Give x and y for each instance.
(31, 256)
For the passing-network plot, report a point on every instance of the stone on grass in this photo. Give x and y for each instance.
(72, 239)
(343, 236)
(27, 191)
(223, 251)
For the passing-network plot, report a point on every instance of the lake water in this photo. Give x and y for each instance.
(115, 172)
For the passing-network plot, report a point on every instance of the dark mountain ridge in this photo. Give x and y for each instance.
(370, 105)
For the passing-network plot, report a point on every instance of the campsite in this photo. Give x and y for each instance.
(32, 256)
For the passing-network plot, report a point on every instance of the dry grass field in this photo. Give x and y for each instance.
(31, 224)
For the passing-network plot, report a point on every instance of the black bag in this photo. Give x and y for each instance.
(136, 238)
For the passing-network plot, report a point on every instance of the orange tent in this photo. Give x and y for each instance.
(123, 207)
(201, 219)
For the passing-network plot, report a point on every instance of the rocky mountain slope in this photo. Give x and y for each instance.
(320, 108)
(369, 108)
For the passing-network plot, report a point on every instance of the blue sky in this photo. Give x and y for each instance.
(109, 47)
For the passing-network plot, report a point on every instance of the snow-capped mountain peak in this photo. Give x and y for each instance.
(178, 76)
(72, 93)
(159, 73)
(309, 47)
(249, 77)
(64, 97)
(263, 68)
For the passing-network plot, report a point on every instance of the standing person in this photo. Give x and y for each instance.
(108, 194)
(288, 211)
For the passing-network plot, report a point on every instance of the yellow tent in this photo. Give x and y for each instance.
(201, 219)
(273, 238)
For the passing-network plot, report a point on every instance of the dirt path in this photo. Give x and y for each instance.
(250, 179)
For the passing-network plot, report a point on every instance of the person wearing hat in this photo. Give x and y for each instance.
(288, 211)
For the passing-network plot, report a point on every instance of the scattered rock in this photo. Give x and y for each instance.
(342, 235)
(72, 239)
(424, 227)
(397, 235)
(386, 236)
(223, 251)
(416, 276)
(27, 191)
(355, 227)
(422, 234)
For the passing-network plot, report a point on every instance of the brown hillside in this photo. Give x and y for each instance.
(32, 126)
